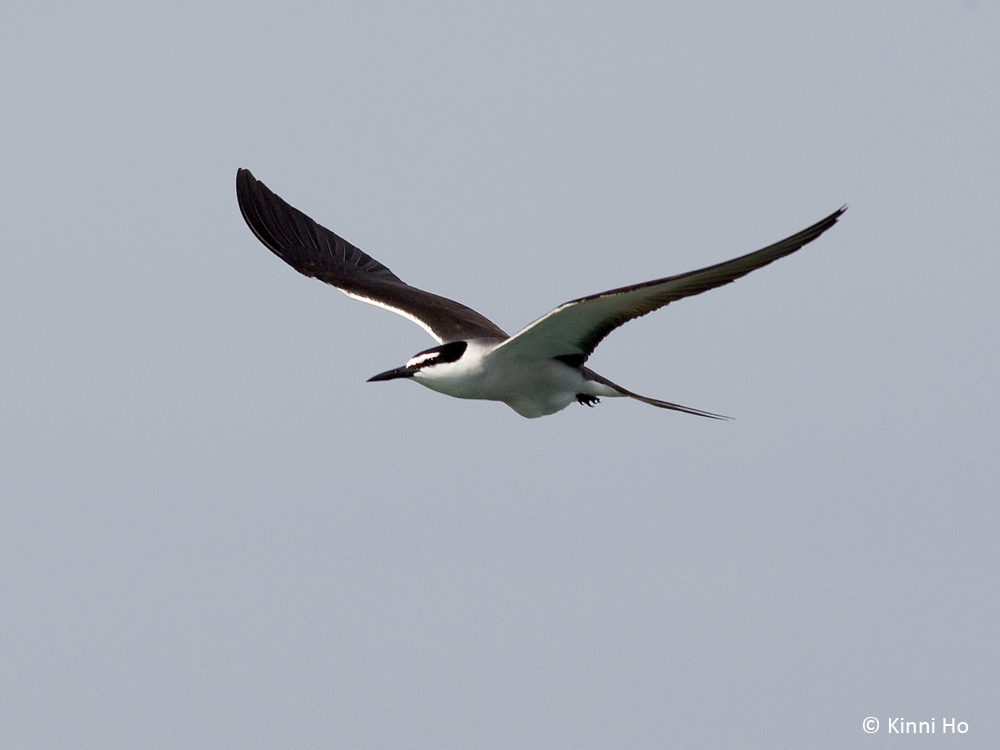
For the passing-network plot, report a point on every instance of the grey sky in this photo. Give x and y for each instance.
(215, 534)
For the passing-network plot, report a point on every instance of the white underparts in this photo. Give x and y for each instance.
(531, 388)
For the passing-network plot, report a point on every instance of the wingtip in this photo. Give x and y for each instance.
(244, 179)
(832, 218)
(835, 216)
(244, 182)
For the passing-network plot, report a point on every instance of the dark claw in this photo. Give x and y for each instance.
(587, 400)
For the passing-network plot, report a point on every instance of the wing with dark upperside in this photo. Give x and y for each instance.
(574, 329)
(315, 251)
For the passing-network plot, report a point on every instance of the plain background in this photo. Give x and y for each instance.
(216, 534)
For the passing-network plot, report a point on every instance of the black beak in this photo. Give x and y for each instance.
(399, 372)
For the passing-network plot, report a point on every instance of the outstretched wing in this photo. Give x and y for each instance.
(315, 251)
(574, 329)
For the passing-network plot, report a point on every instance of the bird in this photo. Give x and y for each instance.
(540, 369)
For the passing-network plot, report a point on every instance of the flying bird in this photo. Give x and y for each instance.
(537, 371)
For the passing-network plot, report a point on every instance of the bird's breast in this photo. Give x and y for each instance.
(531, 388)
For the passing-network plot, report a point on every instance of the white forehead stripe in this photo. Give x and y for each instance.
(420, 358)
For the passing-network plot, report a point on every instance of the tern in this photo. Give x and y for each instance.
(537, 371)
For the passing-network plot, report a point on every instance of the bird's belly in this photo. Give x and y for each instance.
(534, 390)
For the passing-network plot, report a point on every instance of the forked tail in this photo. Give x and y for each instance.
(591, 375)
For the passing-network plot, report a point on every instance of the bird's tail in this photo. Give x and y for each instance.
(591, 375)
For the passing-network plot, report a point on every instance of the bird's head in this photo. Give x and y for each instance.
(425, 361)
